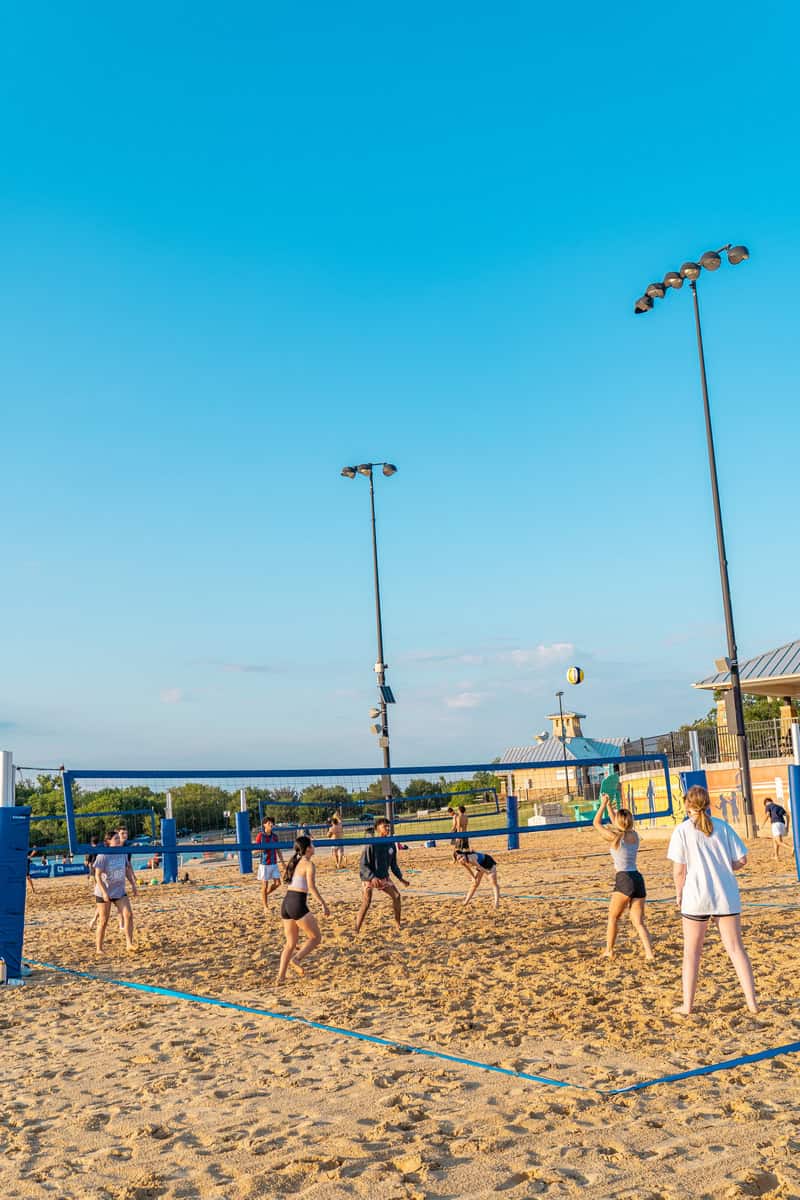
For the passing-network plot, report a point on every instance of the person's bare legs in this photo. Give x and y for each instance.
(638, 923)
(103, 913)
(694, 935)
(265, 894)
(778, 842)
(730, 931)
(292, 933)
(311, 929)
(495, 888)
(366, 900)
(126, 920)
(395, 895)
(616, 907)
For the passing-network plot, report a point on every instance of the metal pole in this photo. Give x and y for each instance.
(733, 654)
(7, 782)
(564, 742)
(380, 667)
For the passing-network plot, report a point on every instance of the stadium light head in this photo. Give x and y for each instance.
(710, 261)
(656, 291)
(365, 469)
(373, 713)
(738, 254)
(643, 304)
(690, 270)
(389, 469)
(349, 472)
(673, 279)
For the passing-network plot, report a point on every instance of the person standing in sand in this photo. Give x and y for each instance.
(268, 874)
(477, 865)
(373, 869)
(335, 830)
(705, 851)
(110, 874)
(776, 815)
(629, 889)
(461, 825)
(300, 874)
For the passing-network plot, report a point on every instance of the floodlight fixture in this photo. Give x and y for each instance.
(365, 469)
(737, 254)
(690, 270)
(656, 291)
(349, 472)
(673, 279)
(389, 469)
(710, 261)
(643, 304)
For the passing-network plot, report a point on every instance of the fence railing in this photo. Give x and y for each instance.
(765, 739)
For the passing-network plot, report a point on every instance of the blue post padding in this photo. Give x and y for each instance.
(14, 833)
(169, 842)
(243, 836)
(512, 820)
(794, 813)
(691, 779)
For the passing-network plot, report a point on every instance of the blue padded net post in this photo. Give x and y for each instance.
(169, 841)
(242, 837)
(794, 810)
(512, 821)
(691, 779)
(14, 833)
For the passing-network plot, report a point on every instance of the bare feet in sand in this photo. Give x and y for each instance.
(296, 967)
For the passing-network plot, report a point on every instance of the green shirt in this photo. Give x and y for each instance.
(610, 787)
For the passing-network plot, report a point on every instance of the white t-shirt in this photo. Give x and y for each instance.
(710, 888)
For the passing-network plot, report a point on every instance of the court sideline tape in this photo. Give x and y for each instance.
(172, 994)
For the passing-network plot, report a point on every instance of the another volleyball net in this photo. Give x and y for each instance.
(219, 811)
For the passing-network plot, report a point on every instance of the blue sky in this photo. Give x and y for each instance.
(243, 247)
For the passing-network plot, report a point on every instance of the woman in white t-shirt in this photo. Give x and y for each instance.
(705, 852)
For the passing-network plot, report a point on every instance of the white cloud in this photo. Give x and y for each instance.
(172, 695)
(465, 700)
(539, 654)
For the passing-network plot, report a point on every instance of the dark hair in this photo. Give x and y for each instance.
(461, 808)
(266, 818)
(382, 821)
(301, 844)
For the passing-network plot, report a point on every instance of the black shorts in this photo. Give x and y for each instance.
(715, 916)
(295, 906)
(631, 884)
(113, 900)
(488, 863)
(461, 843)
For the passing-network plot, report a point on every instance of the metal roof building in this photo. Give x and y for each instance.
(551, 749)
(774, 673)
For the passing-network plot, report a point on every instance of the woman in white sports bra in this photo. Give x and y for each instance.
(300, 875)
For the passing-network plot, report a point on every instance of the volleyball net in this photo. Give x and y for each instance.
(218, 811)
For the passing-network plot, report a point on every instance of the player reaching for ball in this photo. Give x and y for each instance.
(629, 890)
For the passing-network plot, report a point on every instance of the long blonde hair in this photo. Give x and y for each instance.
(622, 824)
(697, 800)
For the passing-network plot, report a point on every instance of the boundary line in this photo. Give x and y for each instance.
(290, 1018)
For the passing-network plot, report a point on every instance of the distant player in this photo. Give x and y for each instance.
(374, 867)
(336, 830)
(269, 874)
(461, 825)
(478, 865)
(111, 871)
(776, 815)
(610, 787)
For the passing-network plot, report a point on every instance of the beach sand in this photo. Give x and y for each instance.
(113, 1094)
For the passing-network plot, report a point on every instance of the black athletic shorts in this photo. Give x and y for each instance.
(691, 917)
(631, 884)
(295, 906)
(488, 863)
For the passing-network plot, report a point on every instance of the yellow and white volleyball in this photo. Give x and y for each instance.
(575, 675)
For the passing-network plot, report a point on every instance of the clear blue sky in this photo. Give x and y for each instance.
(243, 246)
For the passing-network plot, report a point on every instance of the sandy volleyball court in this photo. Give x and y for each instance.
(112, 1094)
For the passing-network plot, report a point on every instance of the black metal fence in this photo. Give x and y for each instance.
(765, 739)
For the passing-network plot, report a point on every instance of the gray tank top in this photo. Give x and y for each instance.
(625, 855)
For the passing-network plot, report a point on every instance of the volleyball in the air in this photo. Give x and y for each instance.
(575, 675)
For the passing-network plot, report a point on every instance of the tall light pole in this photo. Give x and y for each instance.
(711, 261)
(385, 695)
(564, 741)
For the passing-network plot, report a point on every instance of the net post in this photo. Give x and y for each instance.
(243, 834)
(694, 750)
(169, 843)
(794, 794)
(14, 834)
(512, 814)
(7, 786)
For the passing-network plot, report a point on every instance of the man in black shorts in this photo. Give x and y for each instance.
(374, 867)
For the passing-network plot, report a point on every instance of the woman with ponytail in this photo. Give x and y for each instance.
(300, 875)
(705, 851)
(629, 890)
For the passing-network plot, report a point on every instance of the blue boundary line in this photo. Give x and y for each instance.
(291, 1018)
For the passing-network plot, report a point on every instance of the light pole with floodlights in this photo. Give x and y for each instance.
(385, 695)
(564, 741)
(711, 261)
